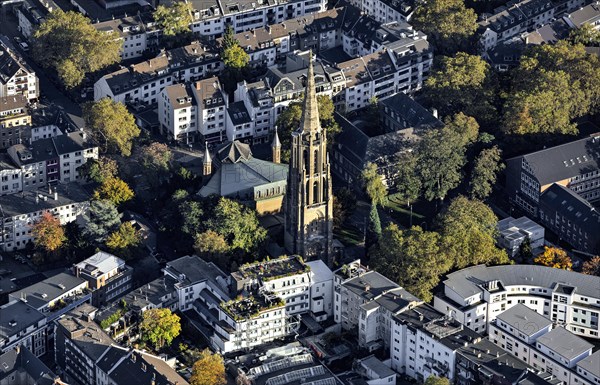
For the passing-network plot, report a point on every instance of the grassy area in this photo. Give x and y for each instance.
(349, 235)
(422, 211)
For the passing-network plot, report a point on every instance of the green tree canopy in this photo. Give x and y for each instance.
(399, 255)
(160, 326)
(468, 228)
(112, 125)
(465, 126)
(462, 83)
(123, 240)
(554, 84)
(208, 370)
(229, 39)
(448, 24)
(485, 171)
(69, 43)
(441, 159)
(585, 35)
(237, 224)
(406, 180)
(374, 228)
(175, 18)
(102, 218)
(433, 380)
(373, 184)
(97, 170)
(114, 190)
(235, 58)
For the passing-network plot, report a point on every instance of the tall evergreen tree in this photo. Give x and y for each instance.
(101, 219)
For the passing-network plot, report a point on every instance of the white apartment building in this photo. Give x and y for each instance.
(143, 82)
(16, 77)
(475, 296)
(133, 32)
(303, 286)
(386, 11)
(212, 17)
(20, 211)
(11, 178)
(194, 112)
(533, 339)
(22, 325)
(590, 14)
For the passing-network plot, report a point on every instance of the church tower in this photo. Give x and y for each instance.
(308, 199)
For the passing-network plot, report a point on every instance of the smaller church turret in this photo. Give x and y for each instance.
(206, 163)
(276, 148)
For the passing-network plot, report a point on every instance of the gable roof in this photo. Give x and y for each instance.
(571, 206)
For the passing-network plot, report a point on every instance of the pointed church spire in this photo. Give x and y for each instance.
(310, 117)
(207, 162)
(276, 148)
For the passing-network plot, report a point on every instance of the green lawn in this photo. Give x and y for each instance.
(423, 211)
(349, 235)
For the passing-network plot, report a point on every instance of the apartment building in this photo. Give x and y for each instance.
(136, 33)
(475, 296)
(195, 112)
(211, 17)
(16, 77)
(22, 326)
(52, 160)
(590, 14)
(108, 277)
(21, 367)
(386, 11)
(573, 165)
(11, 178)
(571, 217)
(20, 211)
(534, 340)
(304, 286)
(31, 13)
(15, 120)
(143, 82)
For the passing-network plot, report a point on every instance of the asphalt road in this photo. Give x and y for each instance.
(50, 94)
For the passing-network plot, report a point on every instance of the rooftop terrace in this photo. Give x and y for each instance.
(251, 306)
(268, 270)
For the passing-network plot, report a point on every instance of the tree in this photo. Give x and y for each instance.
(554, 257)
(211, 243)
(160, 326)
(468, 229)
(156, 157)
(399, 255)
(592, 267)
(237, 224)
(373, 184)
(69, 43)
(229, 39)
(463, 83)
(554, 84)
(586, 35)
(465, 126)
(235, 58)
(525, 254)
(190, 216)
(96, 170)
(48, 233)
(406, 180)
(448, 24)
(433, 380)
(112, 125)
(344, 203)
(175, 18)
(114, 190)
(485, 171)
(441, 155)
(121, 241)
(208, 370)
(102, 218)
(374, 229)
(289, 121)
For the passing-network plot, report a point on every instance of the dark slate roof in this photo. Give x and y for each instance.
(87, 335)
(238, 113)
(565, 161)
(195, 270)
(20, 313)
(49, 148)
(507, 17)
(572, 206)
(50, 287)
(111, 357)
(23, 360)
(412, 113)
(508, 53)
(142, 368)
(25, 202)
(396, 300)
(234, 152)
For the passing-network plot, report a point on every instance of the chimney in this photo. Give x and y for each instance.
(434, 112)
(55, 195)
(37, 198)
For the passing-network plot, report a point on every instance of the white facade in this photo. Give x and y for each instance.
(565, 297)
(513, 233)
(22, 81)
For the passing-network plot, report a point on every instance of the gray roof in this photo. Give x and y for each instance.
(145, 369)
(591, 364)
(25, 202)
(466, 282)
(564, 343)
(111, 357)
(49, 148)
(565, 161)
(588, 14)
(572, 207)
(192, 269)
(369, 285)
(412, 113)
(524, 320)
(20, 313)
(23, 360)
(377, 366)
(86, 335)
(50, 288)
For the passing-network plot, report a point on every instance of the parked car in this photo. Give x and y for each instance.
(17, 40)
(24, 46)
